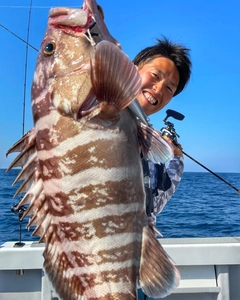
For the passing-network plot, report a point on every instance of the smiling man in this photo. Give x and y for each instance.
(160, 78)
(165, 69)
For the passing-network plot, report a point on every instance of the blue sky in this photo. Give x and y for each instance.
(210, 130)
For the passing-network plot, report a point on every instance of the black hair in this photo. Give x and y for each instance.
(173, 51)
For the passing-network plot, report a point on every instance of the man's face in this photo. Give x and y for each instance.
(160, 79)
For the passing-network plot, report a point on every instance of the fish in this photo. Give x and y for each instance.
(81, 169)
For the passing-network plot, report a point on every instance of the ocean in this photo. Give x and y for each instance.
(202, 206)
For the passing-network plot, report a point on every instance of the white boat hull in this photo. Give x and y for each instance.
(209, 267)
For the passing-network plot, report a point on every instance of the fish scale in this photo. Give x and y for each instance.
(82, 173)
(102, 226)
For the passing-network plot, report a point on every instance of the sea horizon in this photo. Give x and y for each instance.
(202, 206)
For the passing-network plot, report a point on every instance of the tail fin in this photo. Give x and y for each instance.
(158, 276)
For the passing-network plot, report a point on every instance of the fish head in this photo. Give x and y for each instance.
(62, 74)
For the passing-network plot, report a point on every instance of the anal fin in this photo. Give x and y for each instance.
(158, 275)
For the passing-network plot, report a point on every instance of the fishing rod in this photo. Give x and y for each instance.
(238, 191)
(25, 72)
(170, 132)
(26, 59)
(15, 209)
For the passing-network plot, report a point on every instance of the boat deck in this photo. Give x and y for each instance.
(209, 267)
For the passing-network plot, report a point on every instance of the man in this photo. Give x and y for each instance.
(165, 69)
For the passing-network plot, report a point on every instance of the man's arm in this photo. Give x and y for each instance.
(174, 172)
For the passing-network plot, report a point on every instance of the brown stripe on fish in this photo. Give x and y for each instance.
(41, 106)
(99, 291)
(96, 278)
(88, 203)
(113, 218)
(96, 253)
(91, 197)
(115, 296)
(72, 133)
(102, 194)
(118, 256)
(91, 158)
(83, 182)
(97, 227)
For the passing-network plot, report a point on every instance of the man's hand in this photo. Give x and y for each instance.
(177, 150)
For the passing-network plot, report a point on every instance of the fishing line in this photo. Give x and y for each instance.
(19, 37)
(24, 7)
(20, 6)
(29, 45)
(25, 72)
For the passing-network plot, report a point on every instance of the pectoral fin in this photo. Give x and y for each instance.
(153, 146)
(115, 79)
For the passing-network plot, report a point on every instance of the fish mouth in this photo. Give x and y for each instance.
(70, 20)
(80, 21)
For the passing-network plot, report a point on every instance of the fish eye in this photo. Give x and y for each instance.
(49, 49)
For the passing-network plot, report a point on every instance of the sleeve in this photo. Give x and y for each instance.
(174, 171)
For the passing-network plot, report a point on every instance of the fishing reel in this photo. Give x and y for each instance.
(169, 130)
(18, 210)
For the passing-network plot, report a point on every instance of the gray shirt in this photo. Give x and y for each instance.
(174, 171)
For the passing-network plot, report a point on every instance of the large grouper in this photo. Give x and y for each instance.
(81, 167)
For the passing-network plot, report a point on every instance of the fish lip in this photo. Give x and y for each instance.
(58, 11)
(76, 20)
